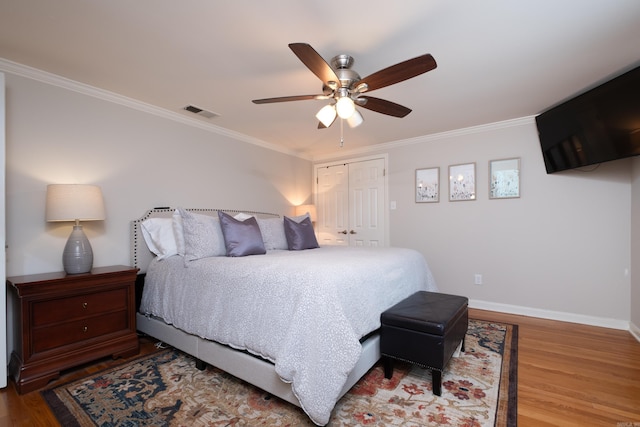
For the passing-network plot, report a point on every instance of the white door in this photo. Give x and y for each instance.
(332, 205)
(350, 199)
(366, 203)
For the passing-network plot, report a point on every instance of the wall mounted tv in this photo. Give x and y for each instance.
(597, 126)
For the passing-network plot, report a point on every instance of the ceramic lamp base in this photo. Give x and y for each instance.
(77, 256)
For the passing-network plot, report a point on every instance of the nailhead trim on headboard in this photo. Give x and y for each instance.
(140, 254)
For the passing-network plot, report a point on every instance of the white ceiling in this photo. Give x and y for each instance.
(497, 59)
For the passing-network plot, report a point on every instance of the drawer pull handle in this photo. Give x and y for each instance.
(84, 305)
(85, 329)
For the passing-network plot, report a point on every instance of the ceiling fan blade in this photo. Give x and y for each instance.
(316, 64)
(383, 106)
(289, 98)
(400, 72)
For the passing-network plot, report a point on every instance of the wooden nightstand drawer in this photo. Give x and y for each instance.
(64, 320)
(64, 309)
(76, 331)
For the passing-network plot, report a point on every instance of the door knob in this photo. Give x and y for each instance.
(352, 232)
(343, 232)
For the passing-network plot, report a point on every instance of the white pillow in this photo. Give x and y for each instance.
(159, 237)
(242, 216)
(300, 218)
(202, 236)
(273, 236)
(178, 231)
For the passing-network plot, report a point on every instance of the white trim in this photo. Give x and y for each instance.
(384, 156)
(528, 120)
(64, 83)
(3, 235)
(553, 315)
(635, 331)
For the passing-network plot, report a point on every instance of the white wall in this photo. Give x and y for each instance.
(140, 160)
(561, 250)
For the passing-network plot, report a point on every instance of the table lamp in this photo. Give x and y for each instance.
(75, 202)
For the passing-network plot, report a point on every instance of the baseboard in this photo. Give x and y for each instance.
(556, 315)
(635, 331)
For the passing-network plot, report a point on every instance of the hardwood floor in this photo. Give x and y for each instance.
(568, 375)
(574, 375)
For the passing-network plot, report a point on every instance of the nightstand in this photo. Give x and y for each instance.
(61, 321)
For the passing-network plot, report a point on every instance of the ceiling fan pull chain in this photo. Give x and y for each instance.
(341, 133)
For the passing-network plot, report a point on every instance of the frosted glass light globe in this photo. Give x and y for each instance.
(345, 107)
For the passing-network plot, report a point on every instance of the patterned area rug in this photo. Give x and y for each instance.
(166, 389)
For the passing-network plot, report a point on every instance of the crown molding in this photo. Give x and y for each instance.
(521, 121)
(65, 83)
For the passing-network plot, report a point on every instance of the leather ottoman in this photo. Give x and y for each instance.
(424, 329)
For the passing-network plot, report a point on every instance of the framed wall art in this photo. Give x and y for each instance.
(462, 182)
(428, 185)
(504, 178)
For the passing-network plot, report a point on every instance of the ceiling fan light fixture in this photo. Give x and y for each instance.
(355, 120)
(326, 115)
(345, 107)
(362, 87)
(343, 86)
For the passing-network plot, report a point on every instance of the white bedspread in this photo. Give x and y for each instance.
(303, 310)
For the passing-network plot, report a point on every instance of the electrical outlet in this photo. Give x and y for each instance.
(478, 279)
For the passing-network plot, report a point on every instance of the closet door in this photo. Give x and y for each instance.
(350, 199)
(332, 204)
(366, 203)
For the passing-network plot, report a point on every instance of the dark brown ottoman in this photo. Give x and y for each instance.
(424, 329)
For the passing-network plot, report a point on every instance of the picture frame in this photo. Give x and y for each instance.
(462, 182)
(427, 185)
(504, 178)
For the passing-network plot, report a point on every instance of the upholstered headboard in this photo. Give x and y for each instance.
(141, 256)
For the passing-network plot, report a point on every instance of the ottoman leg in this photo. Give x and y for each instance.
(462, 348)
(436, 382)
(388, 367)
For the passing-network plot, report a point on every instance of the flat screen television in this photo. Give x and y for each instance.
(597, 126)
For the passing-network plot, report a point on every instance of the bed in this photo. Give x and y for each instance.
(300, 324)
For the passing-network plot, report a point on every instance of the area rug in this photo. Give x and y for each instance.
(166, 389)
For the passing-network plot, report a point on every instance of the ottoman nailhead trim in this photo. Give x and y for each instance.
(414, 363)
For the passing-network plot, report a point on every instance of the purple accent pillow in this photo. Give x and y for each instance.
(300, 235)
(241, 238)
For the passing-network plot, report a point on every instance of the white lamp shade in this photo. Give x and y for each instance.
(303, 209)
(326, 115)
(70, 202)
(355, 120)
(345, 107)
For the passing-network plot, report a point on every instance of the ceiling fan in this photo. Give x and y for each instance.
(344, 87)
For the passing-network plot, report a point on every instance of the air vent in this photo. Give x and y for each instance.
(199, 111)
